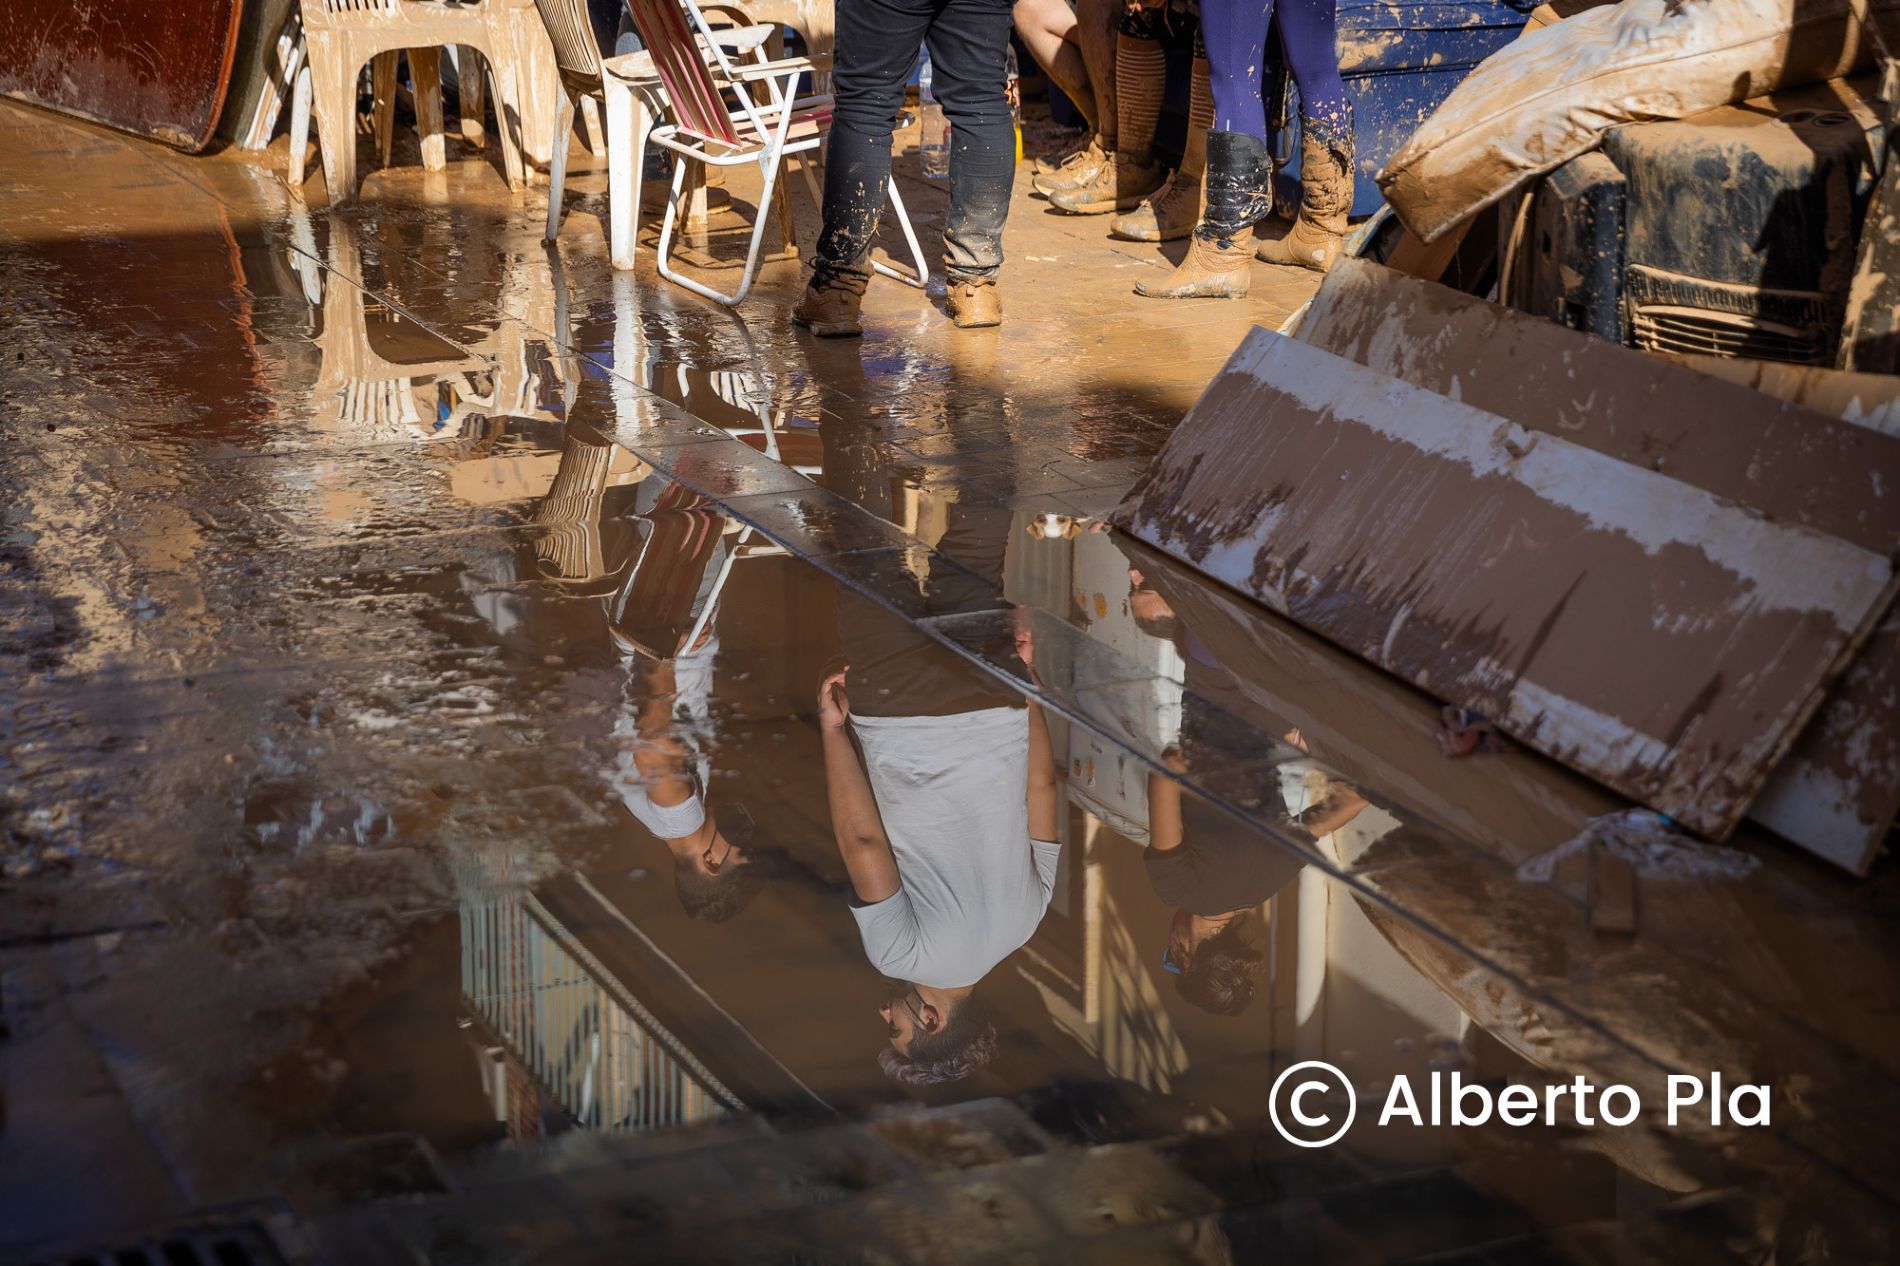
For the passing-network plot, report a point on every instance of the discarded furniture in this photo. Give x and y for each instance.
(766, 131)
(631, 98)
(341, 35)
(1544, 99)
(1837, 791)
(1620, 242)
(1636, 624)
(158, 71)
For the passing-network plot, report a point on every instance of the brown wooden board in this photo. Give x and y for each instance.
(1664, 640)
(1815, 462)
(156, 70)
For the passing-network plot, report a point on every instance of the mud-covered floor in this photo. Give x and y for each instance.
(351, 561)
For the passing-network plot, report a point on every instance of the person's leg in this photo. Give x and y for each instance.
(1097, 22)
(969, 42)
(1235, 34)
(1095, 27)
(877, 42)
(1239, 175)
(1326, 149)
(1173, 211)
(1048, 30)
(1141, 74)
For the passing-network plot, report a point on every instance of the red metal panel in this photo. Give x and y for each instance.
(157, 70)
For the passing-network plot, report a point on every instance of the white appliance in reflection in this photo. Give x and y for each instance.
(1103, 776)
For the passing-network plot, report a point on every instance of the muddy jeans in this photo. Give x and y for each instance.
(876, 50)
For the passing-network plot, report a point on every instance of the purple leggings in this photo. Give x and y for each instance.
(1235, 32)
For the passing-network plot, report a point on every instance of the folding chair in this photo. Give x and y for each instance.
(703, 129)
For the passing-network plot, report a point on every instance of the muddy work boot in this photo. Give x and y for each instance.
(974, 303)
(1239, 180)
(1313, 239)
(1079, 167)
(1167, 216)
(831, 301)
(1050, 164)
(1173, 211)
(1119, 185)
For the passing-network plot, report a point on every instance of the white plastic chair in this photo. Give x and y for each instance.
(704, 130)
(631, 98)
(341, 35)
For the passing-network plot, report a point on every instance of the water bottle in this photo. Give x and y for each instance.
(1013, 86)
(933, 150)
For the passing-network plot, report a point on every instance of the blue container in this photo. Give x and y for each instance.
(1399, 61)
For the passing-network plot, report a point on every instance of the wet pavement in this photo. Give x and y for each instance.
(384, 587)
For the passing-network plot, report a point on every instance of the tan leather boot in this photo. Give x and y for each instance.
(1239, 177)
(1167, 216)
(974, 305)
(1080, 166)
(1315, 236)
(1171, 214)
(1119, 185)
(1049, 164)
(1215, 268)
(831, 301)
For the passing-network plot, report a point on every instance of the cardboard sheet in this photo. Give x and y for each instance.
(1796, 443)
(1660, 638)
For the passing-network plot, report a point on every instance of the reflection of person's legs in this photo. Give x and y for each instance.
(1326, 150)
(877, 45)
(1048, 29)
(897, 669)
(969, 42)
(1238, 173)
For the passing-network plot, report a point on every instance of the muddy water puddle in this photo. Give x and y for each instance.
(427, 787)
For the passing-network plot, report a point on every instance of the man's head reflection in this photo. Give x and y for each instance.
(937, 1035)
(1150, 610)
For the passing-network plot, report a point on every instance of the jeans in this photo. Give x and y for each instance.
(877, 43)
(1236, 36)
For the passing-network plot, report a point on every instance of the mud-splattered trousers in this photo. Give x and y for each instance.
(877, 44)
(1235, 32)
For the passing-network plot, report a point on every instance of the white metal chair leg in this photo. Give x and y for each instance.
(752, 252)
(563, 115)
(922, 276)
(624, 144)
(299, 128)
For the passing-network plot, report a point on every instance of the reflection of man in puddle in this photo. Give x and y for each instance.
(944, 798)
(663, 624)
(1212, 869)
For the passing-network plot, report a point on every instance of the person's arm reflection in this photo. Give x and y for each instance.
(854, 818)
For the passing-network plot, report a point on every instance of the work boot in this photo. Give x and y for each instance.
(1239, 182)
(1172, 213)
(830, 306)
(974, 303)
(1079, 166)
(1119, 185)
(1049, 164)
(1313, 239)
(1165, 216)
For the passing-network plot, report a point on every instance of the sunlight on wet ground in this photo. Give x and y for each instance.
(382, 587)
